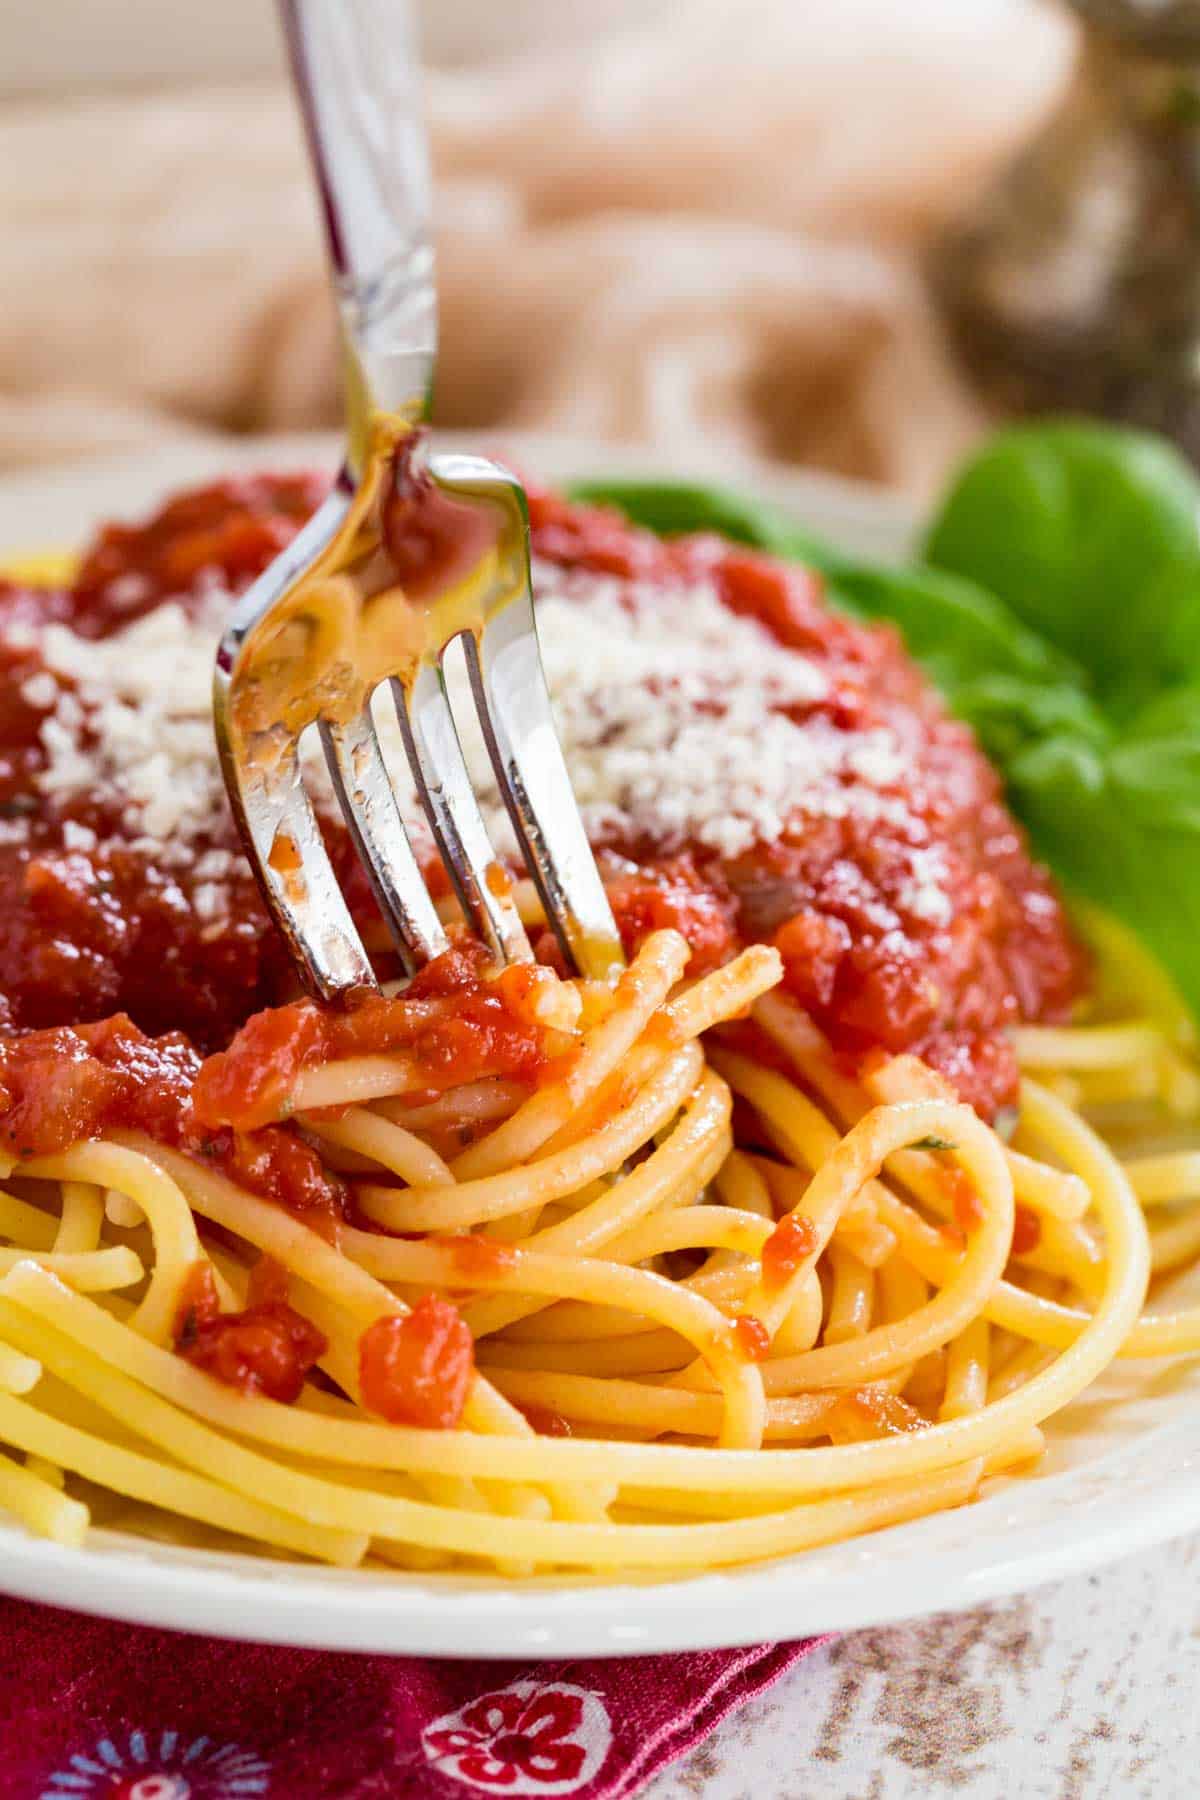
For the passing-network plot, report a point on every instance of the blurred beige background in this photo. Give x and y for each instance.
(657, 222)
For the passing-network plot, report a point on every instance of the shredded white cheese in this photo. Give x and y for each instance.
(923, 893)
(78, 837)
(671, 711)
(136, 727)
(681, 722)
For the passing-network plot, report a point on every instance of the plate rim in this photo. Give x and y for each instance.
(384, 1613)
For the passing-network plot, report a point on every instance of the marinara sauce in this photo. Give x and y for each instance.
(98, 924)
(864, 951)
(142, 987)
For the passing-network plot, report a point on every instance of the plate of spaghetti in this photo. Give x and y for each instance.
(827, 1265)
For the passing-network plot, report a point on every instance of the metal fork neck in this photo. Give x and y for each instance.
(356, 73)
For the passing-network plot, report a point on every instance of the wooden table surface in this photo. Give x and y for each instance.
(1088, 1690)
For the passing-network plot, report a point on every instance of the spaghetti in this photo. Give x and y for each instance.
(718, 1260)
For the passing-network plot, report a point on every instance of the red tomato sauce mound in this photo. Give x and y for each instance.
(110, 934)
(835, 895)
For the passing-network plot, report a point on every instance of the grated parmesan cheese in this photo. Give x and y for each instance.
(681, 721)
(923, 894)
(40, 691)
(136, 727)
(78, 837)
(672, 712)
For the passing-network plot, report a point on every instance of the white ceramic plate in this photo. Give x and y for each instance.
(1122, 1472)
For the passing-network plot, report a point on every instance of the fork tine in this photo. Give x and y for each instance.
(504, 663)
(262, 777)
(297, 876)
(368, 804)
(444, 787)
(514, 709)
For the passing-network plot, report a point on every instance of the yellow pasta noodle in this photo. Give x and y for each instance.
(720, 1306)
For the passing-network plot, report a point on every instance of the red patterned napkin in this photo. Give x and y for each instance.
(89, 1708)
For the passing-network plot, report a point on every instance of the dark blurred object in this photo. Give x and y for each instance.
(1075, 284)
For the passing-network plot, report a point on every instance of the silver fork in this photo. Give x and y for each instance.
(411, 552)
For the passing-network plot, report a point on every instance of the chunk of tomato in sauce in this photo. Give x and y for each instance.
(63, 1085)
(792, 1242)
(277, 1164)
(593, 537)
(785, 597)
(267, 1348)
(752, 1338)
(417, 1369)
(1027, 1230)
(250, 1084)
(673, 894)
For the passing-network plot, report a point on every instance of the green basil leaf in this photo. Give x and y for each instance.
(1159, 780)
(1089, 536)
(1173, 713)
(1088, 816)
(1010, 716)
(957, 631)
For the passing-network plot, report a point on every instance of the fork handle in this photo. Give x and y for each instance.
(354, 65)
